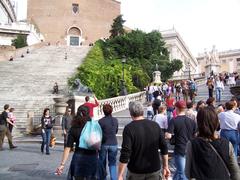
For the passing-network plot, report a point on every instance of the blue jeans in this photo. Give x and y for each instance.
(109, 151)
(232, 136)
(149, 115)
(180, 162)
(218, 94)
(170, 113)
(46, 139)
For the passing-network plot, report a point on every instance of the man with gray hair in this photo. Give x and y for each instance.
(141, 141)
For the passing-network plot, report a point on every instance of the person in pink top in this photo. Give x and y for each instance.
(91, 105)
(12, 118)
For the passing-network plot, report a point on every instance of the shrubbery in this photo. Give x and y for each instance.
(102, 68)
(20, 41)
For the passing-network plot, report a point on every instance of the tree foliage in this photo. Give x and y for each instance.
(20, 41)
(143, 50)
(102, 68)
(117, 27)
(102, 76)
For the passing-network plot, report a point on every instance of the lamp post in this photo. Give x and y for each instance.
(189, 70)
(123, 88)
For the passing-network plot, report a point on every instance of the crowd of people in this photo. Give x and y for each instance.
(205, 137)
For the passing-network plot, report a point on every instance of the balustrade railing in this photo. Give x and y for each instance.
(119, 103)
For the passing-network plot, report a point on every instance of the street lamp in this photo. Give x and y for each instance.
(189, 70)
(123, 88)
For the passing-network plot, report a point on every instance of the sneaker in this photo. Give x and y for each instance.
(13, 147)
(47, 153)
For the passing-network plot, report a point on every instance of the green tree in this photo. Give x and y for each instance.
(102, 68)
(170, 68)
(20, 41)
(117, 27)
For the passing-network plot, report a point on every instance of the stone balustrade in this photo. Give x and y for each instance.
(119, 103)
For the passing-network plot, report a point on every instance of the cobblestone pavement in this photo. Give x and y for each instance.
(27, 162)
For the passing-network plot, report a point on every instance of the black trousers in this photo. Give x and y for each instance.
(210, 92)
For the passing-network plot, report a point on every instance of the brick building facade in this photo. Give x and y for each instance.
(73, 22)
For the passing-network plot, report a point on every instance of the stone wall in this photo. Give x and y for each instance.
(7, 51)
(54, 18)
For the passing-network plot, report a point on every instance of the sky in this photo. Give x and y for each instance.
(201, 23)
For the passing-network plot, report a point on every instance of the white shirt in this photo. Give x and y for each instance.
(151, 89)
(149, 108)
(162, 121)
(165, 86)
(229, 120)
(219, 84)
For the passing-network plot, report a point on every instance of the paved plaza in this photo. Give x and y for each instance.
(27, 162)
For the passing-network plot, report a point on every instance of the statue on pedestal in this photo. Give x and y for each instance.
(212, 61)
(212, 57)
(157, 76)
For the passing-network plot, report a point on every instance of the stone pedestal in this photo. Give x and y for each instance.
(60, 109)
(30, 116)
(157, 77)
(214, 67)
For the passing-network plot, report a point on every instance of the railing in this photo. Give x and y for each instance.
(119, 103)
(186, 76)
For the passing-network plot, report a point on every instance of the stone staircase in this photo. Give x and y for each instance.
(27, 83)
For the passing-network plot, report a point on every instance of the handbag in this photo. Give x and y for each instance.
(52, 141)
(91, 136)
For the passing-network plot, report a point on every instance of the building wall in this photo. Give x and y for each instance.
(229, 61)
(54, 18)
(179, 50)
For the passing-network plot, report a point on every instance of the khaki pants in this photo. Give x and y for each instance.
(4, 131)
(149, 176)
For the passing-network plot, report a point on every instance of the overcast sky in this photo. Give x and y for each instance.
(201, 23)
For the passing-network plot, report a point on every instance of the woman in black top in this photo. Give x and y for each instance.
(47, 124)
(208, 156)
(109, 146)
(84, 161)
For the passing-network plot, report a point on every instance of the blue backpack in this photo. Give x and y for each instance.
(91, 136)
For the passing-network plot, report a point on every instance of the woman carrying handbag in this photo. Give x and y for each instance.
(208, 156)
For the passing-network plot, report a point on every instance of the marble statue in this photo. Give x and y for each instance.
(212, 56)
(79, 87)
